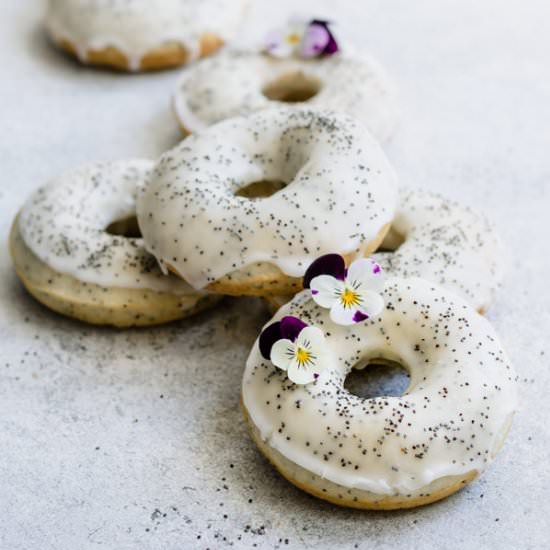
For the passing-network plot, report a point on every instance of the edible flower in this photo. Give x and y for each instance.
(352, 294)
(305, 39)
(293, 346)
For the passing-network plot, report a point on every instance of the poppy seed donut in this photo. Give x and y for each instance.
(253, 81)
(439, 240)
(338, 194)
(138, 35)
(449, 244)
(388, 452)
(70, 252)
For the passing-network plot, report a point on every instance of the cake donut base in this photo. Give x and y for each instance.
(162, 57)
(355, 498)
(94, 304)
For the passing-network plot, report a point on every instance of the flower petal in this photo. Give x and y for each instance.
(329, 264)
(275, 44)
(343, 315)
(365, 274)
(301, 375)
(325, 290)
(282, 353)
(268, 337)
(372, 303)
(314, 41)
(291, 327)
(313, 338)
(332, 46)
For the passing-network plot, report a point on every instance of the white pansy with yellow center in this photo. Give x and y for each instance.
(354, 298)
(286, 42)
(305, 358)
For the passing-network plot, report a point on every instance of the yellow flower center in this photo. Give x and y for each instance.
(350, 298)
(302, 356)
(293, 38)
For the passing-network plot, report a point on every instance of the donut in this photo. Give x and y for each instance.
(439, 240)
(446, 243)
(336, 191)
(136, 35)
(252, 80)
(70, 250)
(385, 452)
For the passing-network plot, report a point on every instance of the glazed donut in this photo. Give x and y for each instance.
(67, 260)
(253, 81)
(443, 242)
(138, 35)
(387, 452)
(339, 194)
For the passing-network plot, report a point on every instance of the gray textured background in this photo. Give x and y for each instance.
(134, 439)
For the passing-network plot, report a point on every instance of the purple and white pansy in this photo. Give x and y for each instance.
(302, 38)
(295, 347)
(352, 294)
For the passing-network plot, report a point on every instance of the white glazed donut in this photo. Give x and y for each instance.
(340, 194)
(388, 452)
(143, 33)
(445, 243)
(67, 259)
(239, 82)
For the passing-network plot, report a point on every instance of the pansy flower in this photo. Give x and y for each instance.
(352, 294)
(295, 347)
(306, 39)
(318, 40)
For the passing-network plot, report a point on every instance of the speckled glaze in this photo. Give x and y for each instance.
(452, 419)
(135, 27)
(231, 84)
(340, 192)
(445, 243)
(63, 223)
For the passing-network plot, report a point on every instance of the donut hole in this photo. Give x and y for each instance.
(260, 189)
(392, 241)
(295, 87)
(127, 227)
(378, 378)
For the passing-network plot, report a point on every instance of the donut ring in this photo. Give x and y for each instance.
(67, 261)
(388, 452)
(443, 242)
(252, 81)
(235, 245)
(142, 35)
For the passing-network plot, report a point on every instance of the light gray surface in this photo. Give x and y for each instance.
(134, 439)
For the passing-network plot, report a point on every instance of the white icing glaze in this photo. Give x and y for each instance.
(340, 191)
(447, 244)
(452, 419)
(135, 27)
(231, 84)
(63, 223)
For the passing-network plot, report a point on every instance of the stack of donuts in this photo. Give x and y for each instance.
(282, 190)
